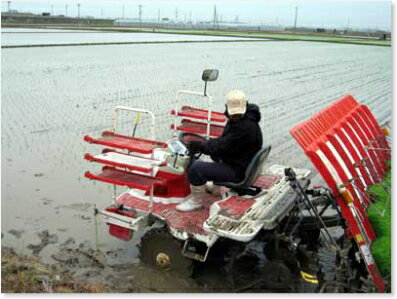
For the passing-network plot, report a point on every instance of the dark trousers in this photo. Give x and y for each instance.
(201, 172)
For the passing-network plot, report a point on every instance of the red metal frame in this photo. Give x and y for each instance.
(335, 140)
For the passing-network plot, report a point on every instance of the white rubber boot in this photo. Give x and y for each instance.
(215, 190)
(195, 201)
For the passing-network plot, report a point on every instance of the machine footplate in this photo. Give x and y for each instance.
(241, 218)
(190, 222)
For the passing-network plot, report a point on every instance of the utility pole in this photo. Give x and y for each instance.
(296, 16)
(140, 15)
(190, 16)
(9, 6)
(176, 14)
(214, 25)
(52, 10)
(348, 24)
(78, 10)
(123, 12)
(236, 20)
(66, 10)
(158, 16)
(101, 13)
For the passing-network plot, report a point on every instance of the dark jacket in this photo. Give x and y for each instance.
(239, 143)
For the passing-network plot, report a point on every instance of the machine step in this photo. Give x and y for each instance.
(139, 145)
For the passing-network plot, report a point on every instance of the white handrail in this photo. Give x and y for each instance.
(152, 127)
(179, 92)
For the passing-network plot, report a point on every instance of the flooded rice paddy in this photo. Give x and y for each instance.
(52, 97)
(22, 36)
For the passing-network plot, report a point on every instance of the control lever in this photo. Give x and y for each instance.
(295, 184)
(290, 174)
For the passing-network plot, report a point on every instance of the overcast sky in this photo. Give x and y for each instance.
(340, 14)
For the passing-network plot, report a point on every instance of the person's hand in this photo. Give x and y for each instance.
(194, 146)
(216, 159)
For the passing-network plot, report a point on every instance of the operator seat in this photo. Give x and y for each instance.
(252, 173)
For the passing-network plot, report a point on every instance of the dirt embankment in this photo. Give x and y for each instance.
(23, 274)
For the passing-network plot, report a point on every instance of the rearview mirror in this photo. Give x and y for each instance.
(210, 75)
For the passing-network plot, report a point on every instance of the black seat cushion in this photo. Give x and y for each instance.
(253, 170)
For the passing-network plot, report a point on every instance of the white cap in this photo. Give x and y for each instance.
(236, 102)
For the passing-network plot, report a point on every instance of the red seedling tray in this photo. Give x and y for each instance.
(199, 128)
(200, 114)
(124, 178)
(139, 145)
(92, 158)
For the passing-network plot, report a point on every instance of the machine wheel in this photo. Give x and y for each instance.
(277, 275)
(310, 237)
(247, 273)
(161, 250)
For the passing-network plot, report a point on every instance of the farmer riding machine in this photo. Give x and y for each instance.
(274, 210)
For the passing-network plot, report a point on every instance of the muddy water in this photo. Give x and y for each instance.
(52, 97)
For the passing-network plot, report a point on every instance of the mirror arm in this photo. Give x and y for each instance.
(205, 89)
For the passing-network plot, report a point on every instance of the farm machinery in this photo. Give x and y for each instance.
(320, 234)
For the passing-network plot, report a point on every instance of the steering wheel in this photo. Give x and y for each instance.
(185, 138)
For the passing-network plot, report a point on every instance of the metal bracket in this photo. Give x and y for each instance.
(194, 255)
(123, 221)
(377, 148)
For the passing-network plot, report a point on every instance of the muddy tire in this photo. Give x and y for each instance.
(159, 249)
(277, 276)
(327, 261)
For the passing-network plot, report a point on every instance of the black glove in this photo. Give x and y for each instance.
(216, 159)
(194, 146)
